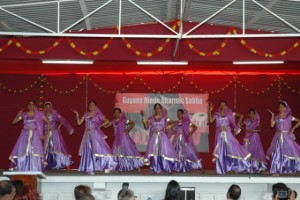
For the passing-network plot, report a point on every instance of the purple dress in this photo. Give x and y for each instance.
(55, 148)
(124, 148)
(229, 154)
(95, 153)
(284, 151)
(253, 145)
(189, 158)
(28, 154)
(160, 154)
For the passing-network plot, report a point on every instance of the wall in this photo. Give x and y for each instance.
(70, 94)
(206, 188)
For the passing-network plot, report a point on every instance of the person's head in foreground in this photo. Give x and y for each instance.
(87, 197)
(280, 192)
(81, 190)
(18, 184)
(234, 192)
(126, 194)
(27, 193)
(173, 191)
(7, 191)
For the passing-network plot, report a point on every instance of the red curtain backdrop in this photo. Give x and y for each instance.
(71, 92)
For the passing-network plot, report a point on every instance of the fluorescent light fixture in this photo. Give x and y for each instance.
(86, 62)
(162, 62)
(256, 62)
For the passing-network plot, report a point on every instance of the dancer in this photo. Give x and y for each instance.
(284, 151)
(228, 154)
(28, 154)
(55, 148)
(189, 158)
(160, 154)
(124, 149)
(95, 153)
(252, 142)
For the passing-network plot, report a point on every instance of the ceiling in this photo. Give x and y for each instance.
(40, 16)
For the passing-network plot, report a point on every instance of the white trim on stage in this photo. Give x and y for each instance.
(59, 184)
(40, 175)
(162, 179)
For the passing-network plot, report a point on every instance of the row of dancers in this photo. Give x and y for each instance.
(170, 146)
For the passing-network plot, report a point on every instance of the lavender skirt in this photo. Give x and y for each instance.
(90, 162)
(230, 155)
(57, 156)
(160, 154)
(258, 159)
(189, 158)
(126, 154)
(286, 157)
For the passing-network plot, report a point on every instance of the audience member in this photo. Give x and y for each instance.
(18, 184)
(81, 190)
(173, 191)
(280, 192)
(27, 193)
(126, 194)
(7, 191)
(234, 192)
(87, 197)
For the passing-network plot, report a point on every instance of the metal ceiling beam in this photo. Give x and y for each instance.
(261, 13)
(181, 10)
(152, 16)
(34, 3)
(186, 11)
(26, 20)
(120, 17)
(169, 9)
(88, 15)
(173, 35)
(277, 16)
(90, 35)
(210, 17)
(85, 13)
(6, 27)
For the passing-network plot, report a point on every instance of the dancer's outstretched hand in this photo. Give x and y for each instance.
(210, 107)
(270, 112)
(75, 112)
(20, 112)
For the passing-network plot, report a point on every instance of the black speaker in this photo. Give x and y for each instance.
(187, 193)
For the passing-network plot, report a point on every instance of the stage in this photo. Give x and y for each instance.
(59, 184)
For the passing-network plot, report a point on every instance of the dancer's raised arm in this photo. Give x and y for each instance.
(272, 118)
(296, 125)
(18, 117)
(79, 120)
(210, 116)
(145, 121)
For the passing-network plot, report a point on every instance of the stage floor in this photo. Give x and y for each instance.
(146, 172)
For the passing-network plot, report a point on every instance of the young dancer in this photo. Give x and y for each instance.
(252, 142)
(284, 152)
(160, 154)
(189, 158)
(124, 149)
(56, 151)
(28, 154)
(228, 154)
(95, 153)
